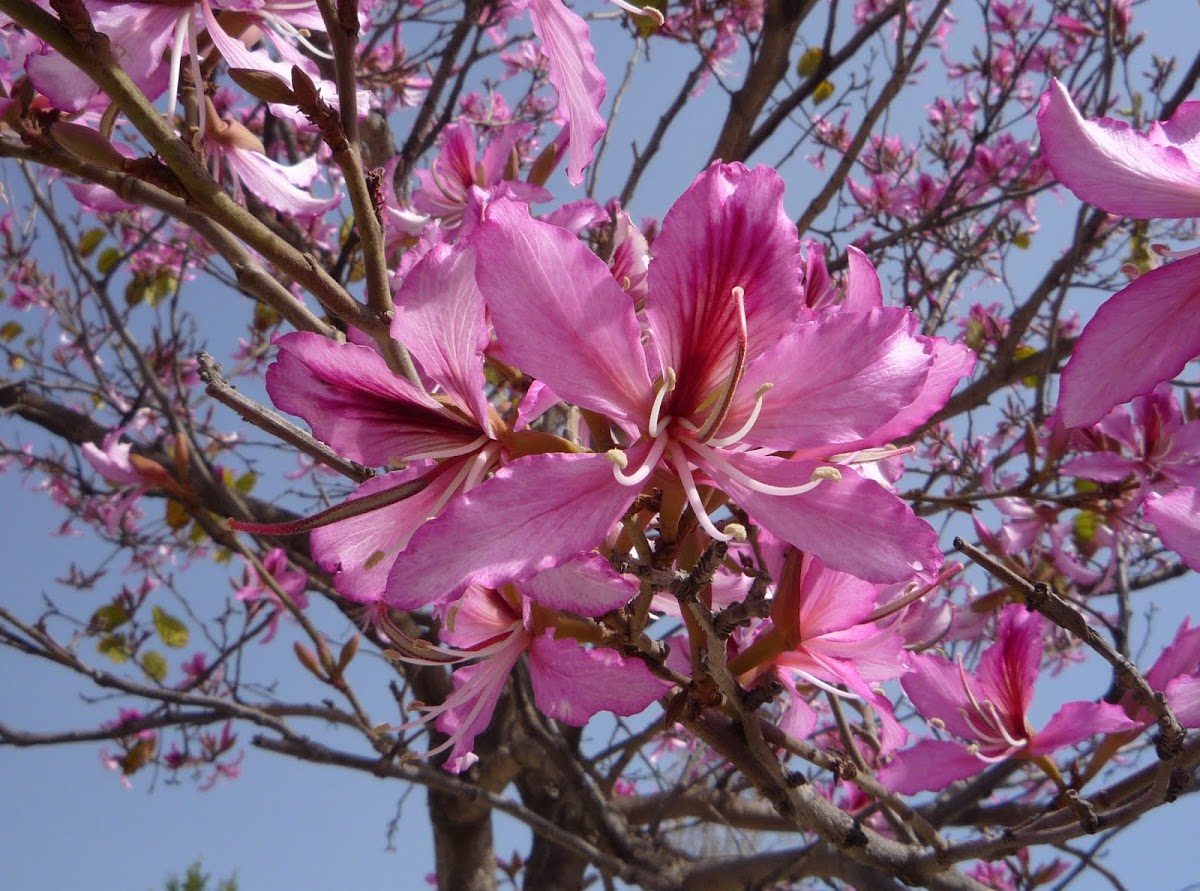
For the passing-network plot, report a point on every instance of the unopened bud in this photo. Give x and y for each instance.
(87, 144)
(263, 85)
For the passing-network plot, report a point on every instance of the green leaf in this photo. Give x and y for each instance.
(108, 618)
(113, 646)
(154, 664)
(10, 331)
(245, 482)
(89, 241)
(108, 260)
(171, 631)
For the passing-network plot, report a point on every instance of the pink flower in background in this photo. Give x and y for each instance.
(989, 710)
(1148, 331)
(570, 682)
(292, 582)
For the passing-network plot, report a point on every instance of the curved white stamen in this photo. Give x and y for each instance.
(820, 475)
(679, 460)
(999, 725)
(287, 29)
(658, 423)
(872, 456)
(648, 11)
(723, 441)
(827, 687)
(449, 451)
(182, 27)
(620, 462)
(1164, 251)
(990, 759)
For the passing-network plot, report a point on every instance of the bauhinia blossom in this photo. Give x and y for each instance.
(571, 683)
(989, 711)
(1148, 331)
(732, 371)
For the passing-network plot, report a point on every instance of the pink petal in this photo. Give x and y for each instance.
(852, 524)
(1009, 668)
(356, 404)
(1109, 164)
(1105, 467)
(271, 183)
(575, 77)
(836, 380)
(951, 363)
(863, 290)
(930, 765)
(362, 549)
(1183, 695)
(1145, 334)
(935, 687)
(588, 586)
(479, 616)
(558, 312)
(534, 514)
(468, 710)
(571, 683)
(1077, 721)
(1176, 516)
(440, 319)
(1181, 656)
(727, 230)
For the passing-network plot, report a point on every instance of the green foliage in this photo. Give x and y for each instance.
(197, 880)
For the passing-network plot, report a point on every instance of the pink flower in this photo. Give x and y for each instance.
(570, 682)
(1148, 331)
(354, 402)
(292, 582)
(734, 369)
(990, 710)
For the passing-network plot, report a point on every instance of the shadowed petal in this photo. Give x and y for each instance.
(1009, 668)
(588, 586)
(356, 404)
(1145, 334)
(572, 683)
(935, 687)
(930, 765)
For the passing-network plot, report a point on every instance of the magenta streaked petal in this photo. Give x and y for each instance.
(728, 230)
(356, 404)
(481, 615)
(572, 683)
(1109, 164)
(1008, 668)
(852, 524)
(588, 586)
(1077, 721)
(1145, 334)
(534, 514)
(575, 77)
(558, 312)
(1104, 467)
(836, 380)
(930, 765)
(1176, 516)
(440, 319)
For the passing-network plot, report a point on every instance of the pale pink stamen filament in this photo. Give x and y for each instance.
(693, 496)
(713, 456)
(723, 441)
(449, 451)
(640, 475)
